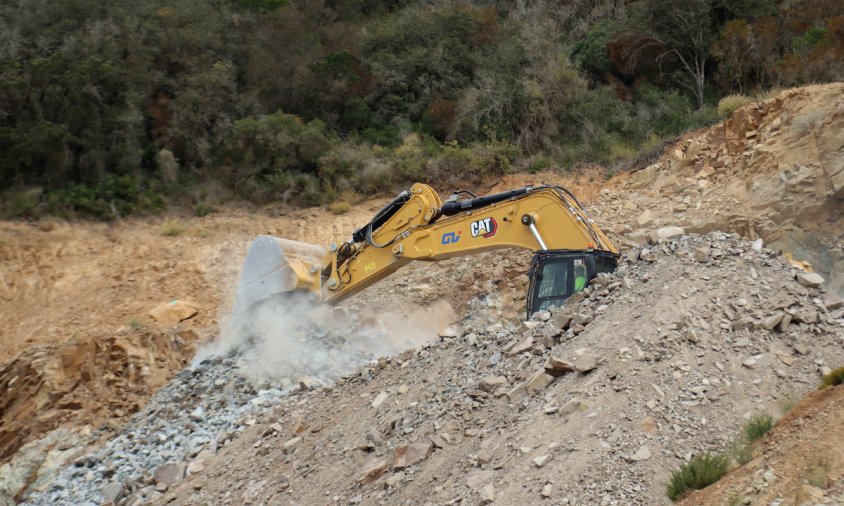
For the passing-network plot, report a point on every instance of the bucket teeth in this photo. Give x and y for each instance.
(273, 266)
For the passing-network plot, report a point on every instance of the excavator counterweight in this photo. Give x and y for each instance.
(569, 247)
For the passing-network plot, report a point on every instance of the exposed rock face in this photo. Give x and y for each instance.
(773, 170)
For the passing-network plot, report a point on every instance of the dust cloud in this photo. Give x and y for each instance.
(283, 339)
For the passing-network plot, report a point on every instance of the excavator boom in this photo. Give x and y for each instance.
(417, 225)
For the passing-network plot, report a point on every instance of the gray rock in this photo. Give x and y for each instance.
(407, 455)
(490, 383)
(557, 367)
(810, 279)
(586, 363)
(112, 491)
(170, 473)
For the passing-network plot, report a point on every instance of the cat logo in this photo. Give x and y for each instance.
(485, 228)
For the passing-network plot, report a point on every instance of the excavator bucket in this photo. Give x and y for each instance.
(274, 266)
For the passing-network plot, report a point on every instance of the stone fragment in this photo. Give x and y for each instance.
(375, 437)
(379, 400)
(800, 348)
(525, 345)
(546, 490)
(542, 316)
(832, 301)
(757, 245)
(438, 441)
(744, 322)
(648, 425)
(170, 473)
(394, 479)
(308, 382)
(557, 367)
(490, 383)
(771, 322)
(538, 381)
(542, 460)
(806, 315)
(487, 493)
(701, 255)
(450, 332)
(551, 330)
(643, 453)
(291, 444)
(782, 326)
(407, 455)
(494, 358)
(197, 465)
(570, 407)
(373, 470)
(752, 362)
(477, 478)
(645, 218)
(171, 313)
(112, 492)
(664, 233)
(516, 393)
(198, 414)
(810, 279)
(586, 363)
(649, 255)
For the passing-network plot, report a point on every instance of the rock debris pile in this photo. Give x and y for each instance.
(592, 403)
(202, 409)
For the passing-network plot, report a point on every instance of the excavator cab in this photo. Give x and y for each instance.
(555, 275)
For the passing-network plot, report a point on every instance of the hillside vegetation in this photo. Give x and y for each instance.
(114, 108)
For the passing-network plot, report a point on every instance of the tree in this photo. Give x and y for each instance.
(682, 32)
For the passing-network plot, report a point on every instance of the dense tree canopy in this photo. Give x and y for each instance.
(109, 108)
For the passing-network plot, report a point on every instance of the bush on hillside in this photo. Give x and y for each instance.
(731, 103)
(757, 427)
(836, 377)
(700, 472)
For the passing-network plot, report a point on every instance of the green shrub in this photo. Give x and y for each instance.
(539, 163)
(475, 162)
(21, 203)
(741, 451)
(339, 207)
(730, 103)
(172, 229)
(204, 210)
(136, 324)
(818, 473)
(700, 472)
(836, 377)
(789, 401)
(115, 196)
(757, 427)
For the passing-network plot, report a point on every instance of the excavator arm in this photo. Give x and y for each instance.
(417, 225)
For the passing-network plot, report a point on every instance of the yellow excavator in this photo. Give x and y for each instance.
(569, 248)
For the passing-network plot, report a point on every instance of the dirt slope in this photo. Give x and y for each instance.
(799, 461)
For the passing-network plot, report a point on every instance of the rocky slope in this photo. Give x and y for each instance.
(593, 403)
(773, 170)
